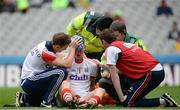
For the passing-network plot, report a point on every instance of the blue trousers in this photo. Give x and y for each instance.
(43, 86)
(136, 90)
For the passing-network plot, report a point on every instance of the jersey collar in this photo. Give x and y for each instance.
(49, 46)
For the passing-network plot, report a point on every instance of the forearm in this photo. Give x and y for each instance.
(69, 59)
(116, 83)
(118, 88)
(92, 84)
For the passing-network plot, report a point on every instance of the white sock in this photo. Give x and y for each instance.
(162, 101)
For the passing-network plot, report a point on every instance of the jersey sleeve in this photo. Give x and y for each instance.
(48, 56)
(75, 25)
(112, 55)
(93, 68)
(94, 72)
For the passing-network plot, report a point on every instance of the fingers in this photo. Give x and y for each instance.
(81, 100)
(76, 42)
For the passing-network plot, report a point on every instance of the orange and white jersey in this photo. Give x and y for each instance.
(37, 58)
(79, 76)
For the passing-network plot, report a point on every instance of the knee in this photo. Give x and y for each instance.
(126, 103)
(100, 90)
(65, 72)
(65, 83)
(103, 83)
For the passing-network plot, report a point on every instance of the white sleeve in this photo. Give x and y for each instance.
(112, 54)
(93, 68)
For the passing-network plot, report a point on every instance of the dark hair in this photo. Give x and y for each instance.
(108, 36)
(103, 22)
(61, 39)
(118, 26)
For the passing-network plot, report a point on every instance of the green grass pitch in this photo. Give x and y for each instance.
(7, 96)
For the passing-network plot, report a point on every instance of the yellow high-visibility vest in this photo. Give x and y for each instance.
(140, 43)
(79, 26)
(59, 4)
(22, 4)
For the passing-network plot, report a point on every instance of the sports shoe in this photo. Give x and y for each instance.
(45, 104)
(72, 104)
(170, 102)
(19, 99)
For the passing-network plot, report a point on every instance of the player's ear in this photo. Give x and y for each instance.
(56, 48)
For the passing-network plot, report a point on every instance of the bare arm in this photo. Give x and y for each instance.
(66, 62)
(99, 63)
(92, 85)
(116, 82)
(93, 78)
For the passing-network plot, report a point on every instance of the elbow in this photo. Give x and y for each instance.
(68, 65)
(65, 64)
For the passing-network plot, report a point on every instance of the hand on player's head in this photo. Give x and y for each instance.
(81, 42)
(75, 43)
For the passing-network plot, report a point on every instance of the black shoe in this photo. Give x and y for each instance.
(19, 99)
(73, 104)
(47, 105)
(9, 105)
(170, 102)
